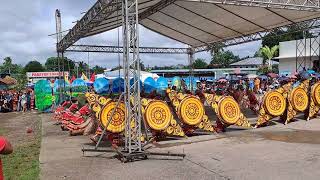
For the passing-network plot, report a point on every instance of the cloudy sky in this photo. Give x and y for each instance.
(26, 24)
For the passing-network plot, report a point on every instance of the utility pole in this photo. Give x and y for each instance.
(59, 54)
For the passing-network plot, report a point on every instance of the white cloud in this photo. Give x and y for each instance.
(25, 26)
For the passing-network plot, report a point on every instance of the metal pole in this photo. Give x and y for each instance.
(88, 68)
(191, 66)
(59, 54)
(64, 81)
(77, 70)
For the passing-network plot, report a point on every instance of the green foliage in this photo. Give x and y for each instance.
(269, 53)
(224, 58)
(142, 66)
(34, 66)
(265, 69)
(275, 68)
(16, 71)
(21, 81)
(200, 64)
(83, 67)
(23, 163)
(116, 68)
(98, 69)
(217, 47)
(53, 62)
(8, 67)
(279, 35)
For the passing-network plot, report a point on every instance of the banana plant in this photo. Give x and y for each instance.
(269, 53)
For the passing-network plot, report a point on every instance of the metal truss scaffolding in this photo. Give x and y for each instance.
(307, 51)
(300, 26)
(315, 51)
(302, 5)
(118, 49)
(301, 53)
(131, 64)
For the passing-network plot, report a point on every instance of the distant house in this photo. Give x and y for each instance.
(254, 62)
(7, 82)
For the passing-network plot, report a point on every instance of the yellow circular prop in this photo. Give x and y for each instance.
(229, 110)
(117, 124)
(158, 115)
(191, 110)
(316, 93)
(299, 99)
(275, 103)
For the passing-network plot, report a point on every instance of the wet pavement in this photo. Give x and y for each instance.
(274, 152)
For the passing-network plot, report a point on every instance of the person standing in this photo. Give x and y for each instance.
(15, 101)
(257, 85)
(251, 84)
(24, 102)
(32, 100)
(28, 100)
(5, 148)
(19, 101)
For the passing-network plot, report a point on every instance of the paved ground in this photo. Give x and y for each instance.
(275, 152)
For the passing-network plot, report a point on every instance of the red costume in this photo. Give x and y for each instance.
(3, 143)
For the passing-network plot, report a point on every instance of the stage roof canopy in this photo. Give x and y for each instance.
(199, 22)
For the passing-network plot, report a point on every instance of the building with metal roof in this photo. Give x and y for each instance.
(253, 62)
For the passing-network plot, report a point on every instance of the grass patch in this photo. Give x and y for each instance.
(23, 163)
(2, 131)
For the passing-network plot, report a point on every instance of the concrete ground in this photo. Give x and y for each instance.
(274, 152)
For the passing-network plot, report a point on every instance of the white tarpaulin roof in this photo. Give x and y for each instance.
(197, 23)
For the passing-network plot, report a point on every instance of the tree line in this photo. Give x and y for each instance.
(19, 71)
(51, 64)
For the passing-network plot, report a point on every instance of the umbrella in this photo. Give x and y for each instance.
(149, 85)
(101, 85)
(263, 77)
(273, 75)
(251, 76)
(292, 76)
(222, 80)
(305, 75)
(310, 71)
(283, 78)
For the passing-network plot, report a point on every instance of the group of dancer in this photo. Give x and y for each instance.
(12, 100)
(80, 119)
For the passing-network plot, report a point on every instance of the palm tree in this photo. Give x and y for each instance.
(269, 53)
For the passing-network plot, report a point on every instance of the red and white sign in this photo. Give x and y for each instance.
(46, 74)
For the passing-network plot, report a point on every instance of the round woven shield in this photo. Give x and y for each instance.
(229, 110)
(299, 99)
(275, 103)
(316, 93)
(191, 110)
(117, 124)
(158, 115)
